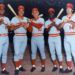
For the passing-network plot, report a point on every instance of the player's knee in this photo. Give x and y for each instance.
(53, 57)
(73, 54)
(43, 56)
(21, 56)
(4, 54)
(59, 54)
(4, 58)
(16, 55)
(69, 58)
(33, 55)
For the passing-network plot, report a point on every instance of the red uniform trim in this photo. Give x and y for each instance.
(3, 34)
(54, 35)
(70, 33)
(20, 34)
(37, 34)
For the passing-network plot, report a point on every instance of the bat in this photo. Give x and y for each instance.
(41, 15)
(60, 12)
(12, 10)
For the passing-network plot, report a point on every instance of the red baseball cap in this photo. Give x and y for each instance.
(69, 5)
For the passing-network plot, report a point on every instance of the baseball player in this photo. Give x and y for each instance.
(54, 40)
(4, 41)
(37, 40)
(68, 24)
(19, 25)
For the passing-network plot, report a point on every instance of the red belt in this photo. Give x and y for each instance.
(54, 35)
(3, 34)
(20, 34)
(70, 33)
(37, 34)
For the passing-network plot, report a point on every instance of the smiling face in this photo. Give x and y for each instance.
(2, 9)
(35, 12)
(69, 10)
(21, 12)
(51, 12)
(2, 12)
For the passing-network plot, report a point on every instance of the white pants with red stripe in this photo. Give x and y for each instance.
(4, 43)
(37, 42)
(20, 43)
(69, 44)
(55, 47)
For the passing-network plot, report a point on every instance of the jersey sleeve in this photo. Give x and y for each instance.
(42, 21)
(73, 18)
(47, 23)
(13, 21)
(58, 21)
(63, 18)
(25, 19)
(7, 21)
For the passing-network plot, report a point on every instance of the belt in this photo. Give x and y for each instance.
(37, 34)
(54, 35)
(20, 34)
(70, 33)
(3, 34)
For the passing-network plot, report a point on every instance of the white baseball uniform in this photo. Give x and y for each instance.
(54, 40)
(20, 39)
(69, 40)
(4, 41)
(37, 40)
